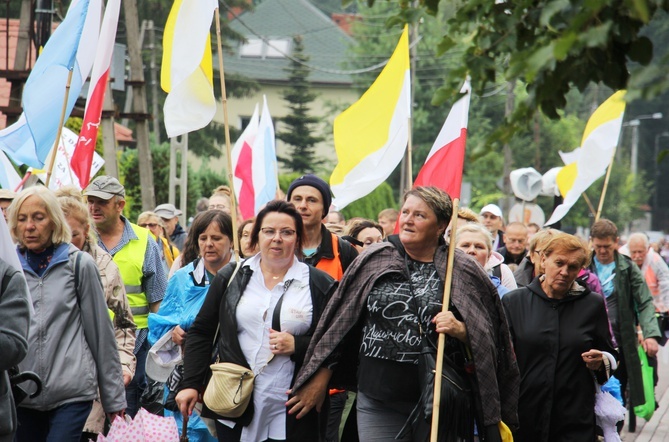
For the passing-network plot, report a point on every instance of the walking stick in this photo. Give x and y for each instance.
(184, 430)
(434, 432)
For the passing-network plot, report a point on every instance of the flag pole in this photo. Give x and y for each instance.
(409, 167)
(23, 180)
(606, 185)
(49, 170)
(589, 203)
(228, 148)
(434, 432)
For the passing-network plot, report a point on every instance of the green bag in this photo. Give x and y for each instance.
(646, 410)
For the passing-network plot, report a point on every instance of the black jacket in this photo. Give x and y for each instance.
(219, 308)
(509, 259)
(524, 274)
(557, 390)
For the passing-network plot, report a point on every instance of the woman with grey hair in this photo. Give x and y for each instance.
(71, 343)
(389, 302)
(476, 241)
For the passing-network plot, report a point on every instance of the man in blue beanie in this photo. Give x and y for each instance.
(325, 251)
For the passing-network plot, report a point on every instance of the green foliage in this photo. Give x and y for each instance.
(199, 184)
(552, 46)
(299, 125)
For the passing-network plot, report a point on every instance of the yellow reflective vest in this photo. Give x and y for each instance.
(130, 261)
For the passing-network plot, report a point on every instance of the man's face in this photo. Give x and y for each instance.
(105, 212)
(3, 206)
(309, 202)
(170, 225)
(491, 222)
(638, 251)
(604, 249)
(387, 224)
(515, 239)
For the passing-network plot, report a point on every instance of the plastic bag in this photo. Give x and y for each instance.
(646, 410)
(608, 412)
(146, 427)
(152, 397)
(613, 387)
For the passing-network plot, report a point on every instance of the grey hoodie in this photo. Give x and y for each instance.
(71, 345)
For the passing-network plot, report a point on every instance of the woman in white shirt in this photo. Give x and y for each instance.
(266, 315)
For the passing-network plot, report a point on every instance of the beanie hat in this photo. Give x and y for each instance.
(317, 183)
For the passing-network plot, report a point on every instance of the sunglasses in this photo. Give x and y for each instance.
(149, 225)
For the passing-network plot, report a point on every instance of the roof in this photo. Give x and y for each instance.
(278, 21)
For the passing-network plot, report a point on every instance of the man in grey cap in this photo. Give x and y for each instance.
(170, 215)
(6, 198)
(138, 259)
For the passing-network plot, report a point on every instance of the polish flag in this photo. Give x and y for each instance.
(242, 165)
(445, 163)
(83, 154)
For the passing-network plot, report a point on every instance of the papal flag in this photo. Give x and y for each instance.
(371, 136)
(587, 164)
(187, 73)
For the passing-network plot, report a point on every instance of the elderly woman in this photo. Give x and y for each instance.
(374, 324)
(362, 233)
(560, 332)
(78, 218)
(71, 345)
(266, 314)
(211, 232)
(151, 221)
(476, 241)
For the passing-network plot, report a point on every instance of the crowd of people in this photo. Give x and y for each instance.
(335, 318)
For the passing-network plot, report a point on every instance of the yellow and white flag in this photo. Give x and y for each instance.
(187, 72)
(371, 136)
(587, 164)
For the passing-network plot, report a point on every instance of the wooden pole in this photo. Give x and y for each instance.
(63, 111)
(228, 148)
(434, 432)
(409, 166)
(606, 185)
(589, 203)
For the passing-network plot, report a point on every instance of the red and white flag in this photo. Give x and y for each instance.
(445, 163)
(242, 165)
(83, 153)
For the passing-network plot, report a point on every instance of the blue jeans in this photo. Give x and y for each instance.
(138, 384)
(62, 424)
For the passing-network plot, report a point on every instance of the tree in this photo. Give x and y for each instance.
(552, 46)
(299, 132)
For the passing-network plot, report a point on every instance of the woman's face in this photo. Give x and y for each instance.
(368, 236)
(419, 226)
(277, 237)
(33, 225)
(474, 245)
(153, 224)
(561, 269)
(79, 232)
(214, 248)
(245, 241)
(220, 202)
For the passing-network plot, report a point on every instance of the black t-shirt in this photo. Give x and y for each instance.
(391, 340)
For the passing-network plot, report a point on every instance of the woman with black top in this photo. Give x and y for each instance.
(372, 328)
(267, 314)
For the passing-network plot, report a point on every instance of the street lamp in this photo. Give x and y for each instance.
(634, 124)
(657, 168)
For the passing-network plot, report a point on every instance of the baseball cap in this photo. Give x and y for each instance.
(167, 211)
(105, 187)
(492, 208)
(162, 358)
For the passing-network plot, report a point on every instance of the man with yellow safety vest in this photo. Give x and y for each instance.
(138, 257)
(324, 250)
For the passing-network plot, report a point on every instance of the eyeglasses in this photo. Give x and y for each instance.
(149, 225)
(283, 233)
(217, 207)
